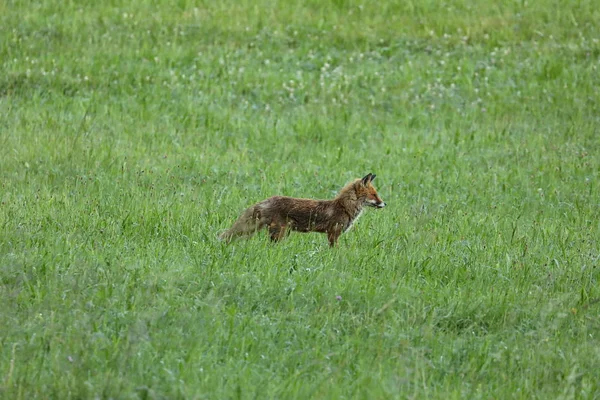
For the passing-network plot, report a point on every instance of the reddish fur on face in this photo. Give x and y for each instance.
(280, 214)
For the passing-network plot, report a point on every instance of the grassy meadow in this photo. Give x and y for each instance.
(133, 132)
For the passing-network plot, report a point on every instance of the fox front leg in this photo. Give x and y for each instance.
(333, 236)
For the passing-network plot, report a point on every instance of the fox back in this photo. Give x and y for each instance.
(280, 214)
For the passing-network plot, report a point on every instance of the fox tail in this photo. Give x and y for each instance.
(247, 224)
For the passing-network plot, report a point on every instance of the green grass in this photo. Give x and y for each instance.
(132, 133)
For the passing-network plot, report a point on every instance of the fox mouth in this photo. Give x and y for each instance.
(376, 205)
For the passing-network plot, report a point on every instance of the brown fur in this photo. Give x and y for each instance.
(281, 214)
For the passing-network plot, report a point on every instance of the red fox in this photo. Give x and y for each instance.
(281, 214)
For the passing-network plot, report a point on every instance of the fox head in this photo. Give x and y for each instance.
(366, 191)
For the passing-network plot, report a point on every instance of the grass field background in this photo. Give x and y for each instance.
(132, 133)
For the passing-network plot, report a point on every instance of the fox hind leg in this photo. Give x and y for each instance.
(277, 231)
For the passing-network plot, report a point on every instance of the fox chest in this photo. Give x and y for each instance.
(352, 221)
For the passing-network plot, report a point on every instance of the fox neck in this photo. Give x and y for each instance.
(348, 201)
(352, 207)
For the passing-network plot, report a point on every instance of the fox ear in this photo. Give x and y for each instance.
(368, 178)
